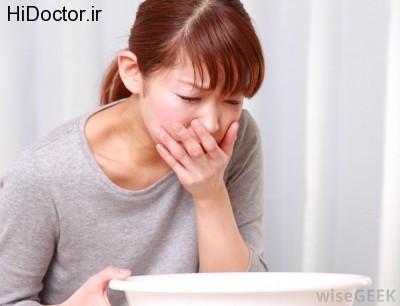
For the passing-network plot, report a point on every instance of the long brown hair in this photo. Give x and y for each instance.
(217, 35)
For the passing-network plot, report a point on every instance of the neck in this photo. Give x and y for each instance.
(119, 134)
(131, 136)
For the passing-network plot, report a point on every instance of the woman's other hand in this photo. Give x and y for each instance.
(93, 292)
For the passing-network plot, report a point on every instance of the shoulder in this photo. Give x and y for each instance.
(60, 152)
(33, 160)
(247, 119)
(49, 153)
(60, 146)
(248, 134)
(247, 151)
(52, 146)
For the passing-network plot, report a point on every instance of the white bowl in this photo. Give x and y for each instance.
(241, 289)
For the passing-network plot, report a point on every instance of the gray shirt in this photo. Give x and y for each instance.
(62, 219)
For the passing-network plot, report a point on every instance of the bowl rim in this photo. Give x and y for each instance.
(153, 283)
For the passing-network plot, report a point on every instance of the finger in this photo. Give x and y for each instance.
(192, 146)
(170, 160)
(229, 139)
(101, 279)
(207, 140)
(175, 149)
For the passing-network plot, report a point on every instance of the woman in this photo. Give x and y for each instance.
(165, 177)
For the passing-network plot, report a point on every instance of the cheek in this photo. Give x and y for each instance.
(169, 112)
(236, 113)
(229, 118)
(171, 115)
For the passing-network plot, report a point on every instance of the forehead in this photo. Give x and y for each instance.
(183, 73)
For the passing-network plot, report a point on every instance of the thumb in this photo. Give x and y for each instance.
(101, 279)
(227, 143)
(93, 291)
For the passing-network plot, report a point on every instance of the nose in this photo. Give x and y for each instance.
(210, 119)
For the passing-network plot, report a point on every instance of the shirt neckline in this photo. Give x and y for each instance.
(110, 185)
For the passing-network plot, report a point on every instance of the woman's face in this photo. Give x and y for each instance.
(171, 96)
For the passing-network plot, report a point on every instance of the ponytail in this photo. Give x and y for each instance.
(112, 88)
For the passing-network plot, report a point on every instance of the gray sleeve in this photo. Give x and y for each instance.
(28, 234)
(245, 187)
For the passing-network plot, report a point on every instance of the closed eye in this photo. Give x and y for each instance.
(190, 99)
(233, 102)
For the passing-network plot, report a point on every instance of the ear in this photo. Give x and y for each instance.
(129, 72)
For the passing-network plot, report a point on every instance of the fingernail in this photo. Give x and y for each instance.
(124, 272)
(177, 127)
(158, 131)
(196, 124)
